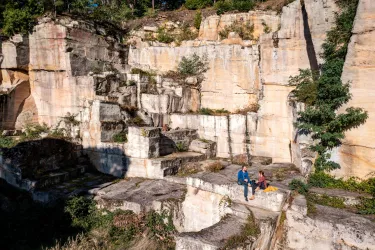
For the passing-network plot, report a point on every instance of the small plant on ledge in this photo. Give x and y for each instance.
(120, 137)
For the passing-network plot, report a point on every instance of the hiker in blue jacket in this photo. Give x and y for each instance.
(243, 179)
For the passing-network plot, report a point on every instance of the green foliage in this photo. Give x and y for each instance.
(266, 28)
(7, 142)
(197, 4)
(208, 111)
(324, 180)
(164, 36)
(325, 94)
(249, 231)
(326, 200)
(120, 137)
(366, 206)
(198, 19)
(244, 29)
(231, 5)
(20, 16)
(138, 121)
(299, 186)
(193, 65)
(306, 86)
(185, 34)
(180, 146)
(34, 131)
(82, 211)
(160, 229)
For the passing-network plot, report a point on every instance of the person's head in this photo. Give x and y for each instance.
(244, 168)
(261, 173)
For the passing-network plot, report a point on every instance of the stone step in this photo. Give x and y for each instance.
(158, 168)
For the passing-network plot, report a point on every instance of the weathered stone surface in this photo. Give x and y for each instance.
(330, 228)
(225, 183)
(206, 147)
(212, 25)
(143, 142)
(158, 168)
(28, 167)
(233, 74)
(356, 155)
(211, 238)
(175, 140)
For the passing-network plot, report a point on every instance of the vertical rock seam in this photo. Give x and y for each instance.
(311, 54)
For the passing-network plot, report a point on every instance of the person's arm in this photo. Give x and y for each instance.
(239, 176)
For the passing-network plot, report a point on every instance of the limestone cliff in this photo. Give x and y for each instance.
(75, 68)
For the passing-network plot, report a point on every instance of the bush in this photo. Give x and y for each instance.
(198, 19)
(326, 200)
(7, 142)
(193, 65)
(164, 36)
(197, 4)
(299, 186)
(81, 210)
(20, 16)
(324, 180)
(230, 5)
(180, 146)
(208, 111)
(244, 29)
(120, 137)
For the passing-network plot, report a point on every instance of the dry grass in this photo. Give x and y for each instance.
(215, 167)
(254, 107)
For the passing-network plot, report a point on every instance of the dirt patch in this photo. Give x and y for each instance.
(181, 15)
(275, 5)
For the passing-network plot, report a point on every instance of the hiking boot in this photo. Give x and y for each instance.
(246, 199)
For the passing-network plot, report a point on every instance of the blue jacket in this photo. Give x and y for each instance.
(241, 176)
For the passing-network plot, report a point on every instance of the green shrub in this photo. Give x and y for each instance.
(197, 4)
(161, 227)
(186, 34)
(326, 200)
(131, 83)
(180, 146)
(244, 29)
(193, 65)
(299, 186)
(164, 36)
(266, 28)
(230, 5)
(366, 206)
(7, 142)
(81, 210)
(198, 19)
(249, 231)
(324, 180)
(33, 131)
(120, 137)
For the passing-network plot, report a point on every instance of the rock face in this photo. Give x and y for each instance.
(356, 155)
(328, 229)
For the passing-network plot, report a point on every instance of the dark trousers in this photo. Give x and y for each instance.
(245, 186)
(254, 186)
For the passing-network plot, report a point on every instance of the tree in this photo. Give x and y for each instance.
(325, 94)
